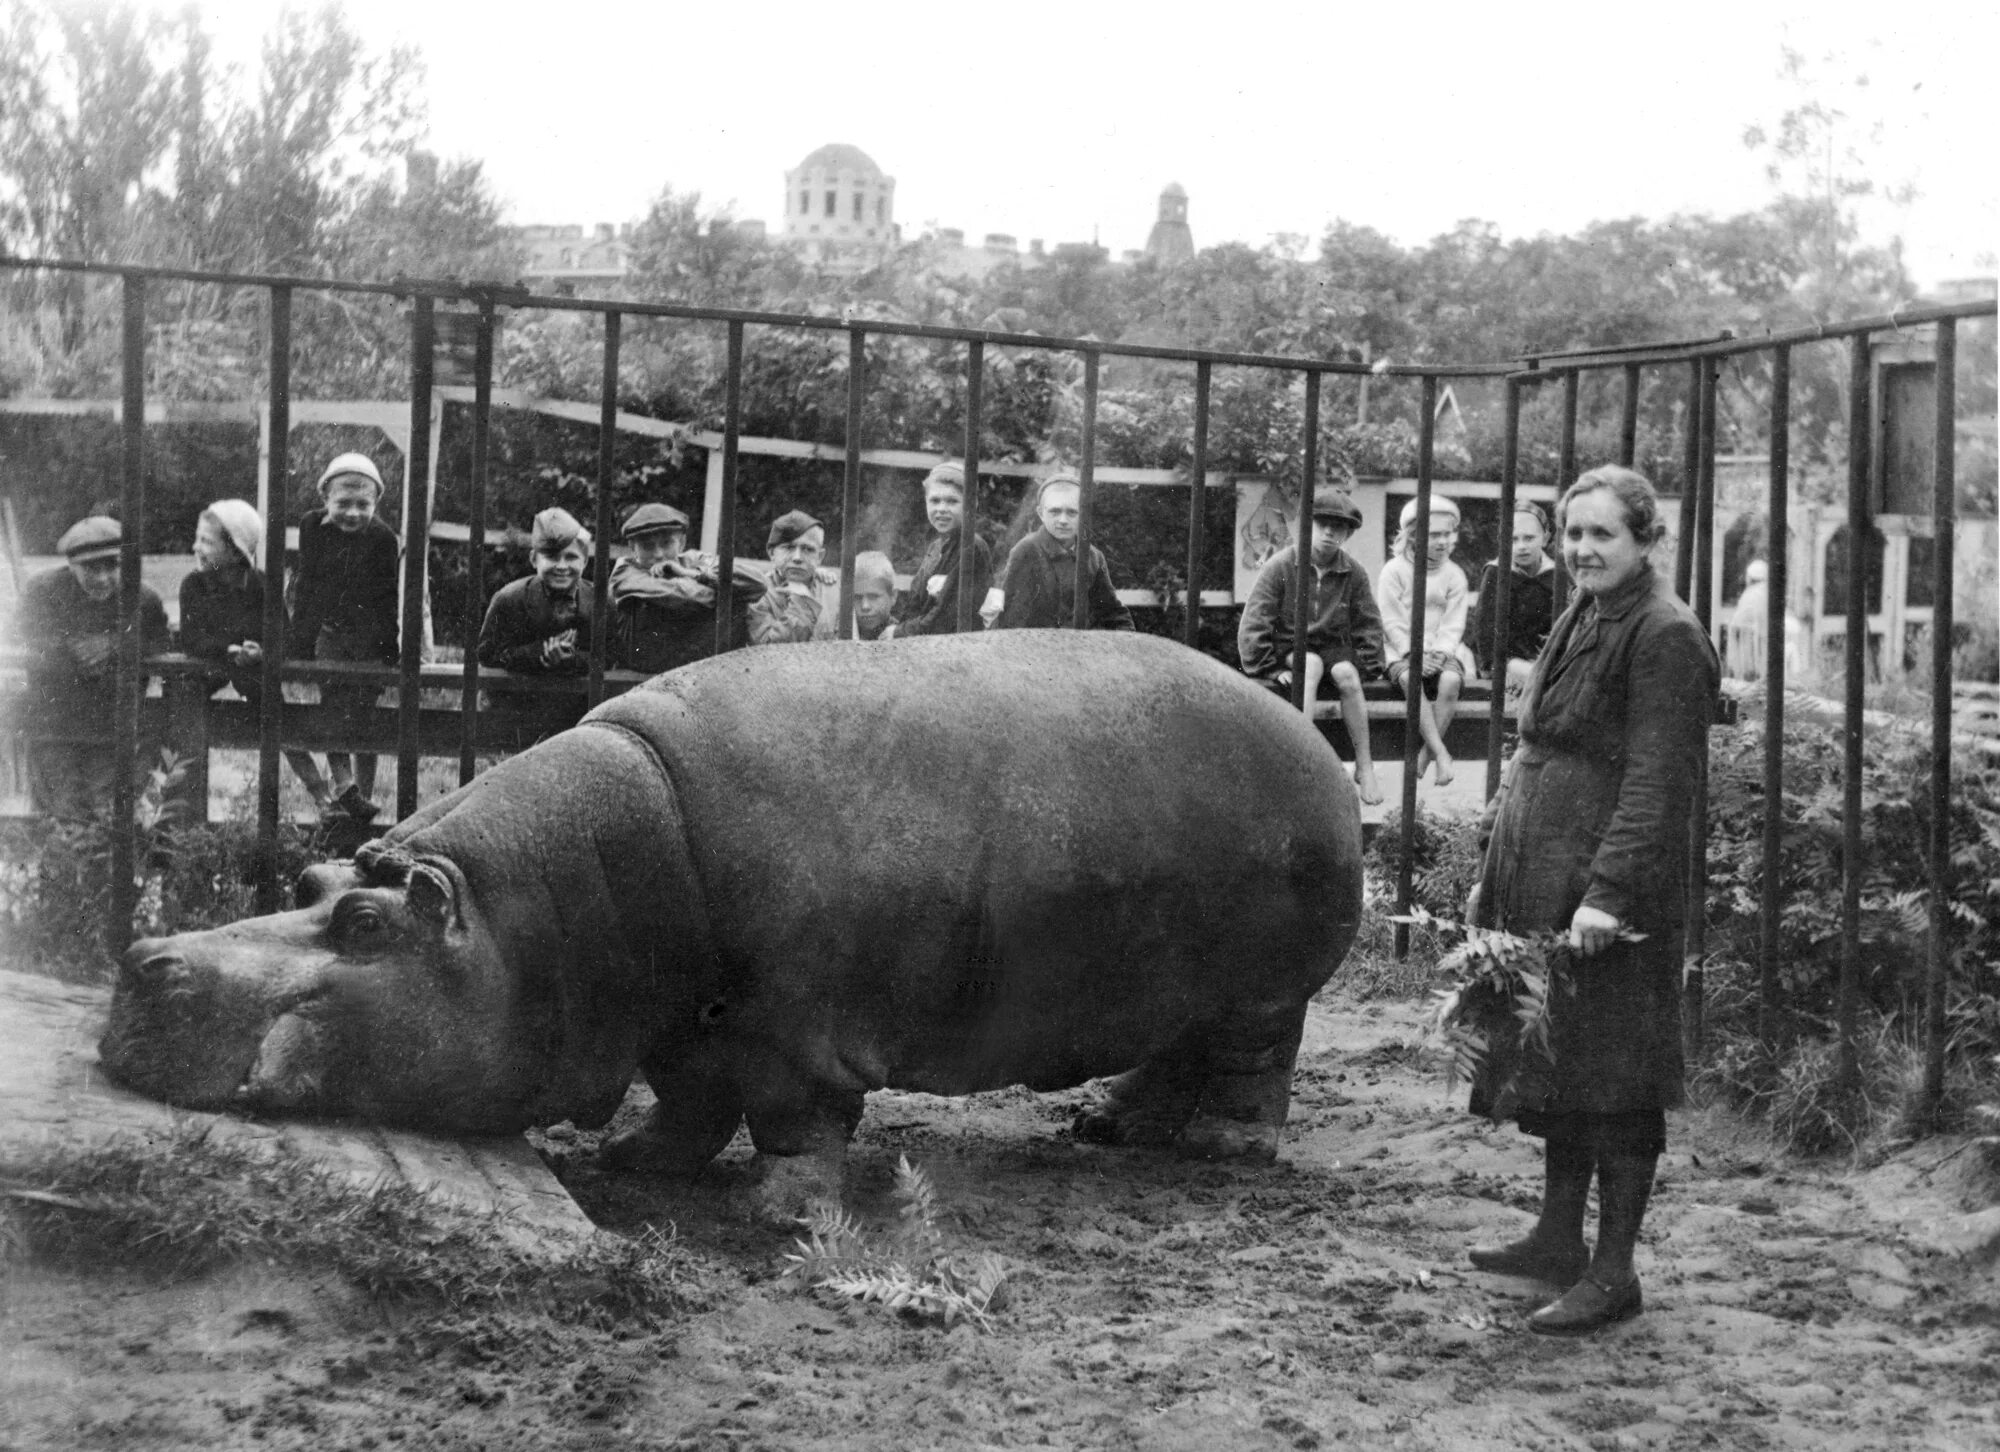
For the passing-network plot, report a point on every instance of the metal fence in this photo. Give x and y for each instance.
(1697, 361)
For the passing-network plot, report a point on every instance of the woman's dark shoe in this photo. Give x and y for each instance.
(1527, 1257)
(1587, 1306)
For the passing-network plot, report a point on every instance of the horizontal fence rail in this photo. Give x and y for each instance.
(1689, 365)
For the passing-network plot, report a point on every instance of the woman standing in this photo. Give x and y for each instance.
(1588, 836)
(1530, 602)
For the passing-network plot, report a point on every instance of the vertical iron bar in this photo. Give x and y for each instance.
(1087, 480)
(1302, 606)
(850, 490)
(1197, 508)
(1413, 693)
(1503, 586)
(1944, 506)
(968, 530)
(271, 705)
(1628, 419)
(1566, 472)
(475, 540)
(127, 678)
(1694, 980)
(725, 536)
(1769, 985)
(1860, 433)
(416, 550)
(607, 475)
(1690, 473)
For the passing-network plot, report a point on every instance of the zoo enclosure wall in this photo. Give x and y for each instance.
(1696, 361)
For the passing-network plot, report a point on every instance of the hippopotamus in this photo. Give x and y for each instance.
(782, 877)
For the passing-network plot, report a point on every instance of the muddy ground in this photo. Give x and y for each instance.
(1153, 1304)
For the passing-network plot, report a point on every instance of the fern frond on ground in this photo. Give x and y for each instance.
(913, 1274)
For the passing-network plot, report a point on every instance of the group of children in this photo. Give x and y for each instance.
(1357, 632)
(343, 605)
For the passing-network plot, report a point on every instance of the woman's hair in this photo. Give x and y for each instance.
(1635, 495)
(1406, 525)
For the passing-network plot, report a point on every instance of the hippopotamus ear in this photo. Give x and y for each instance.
(431, 894)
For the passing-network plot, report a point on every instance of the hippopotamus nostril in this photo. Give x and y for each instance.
(156, 969)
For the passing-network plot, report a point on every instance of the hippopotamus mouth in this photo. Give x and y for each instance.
(197, 1040)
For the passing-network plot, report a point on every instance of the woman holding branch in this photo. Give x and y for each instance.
(1588, 837)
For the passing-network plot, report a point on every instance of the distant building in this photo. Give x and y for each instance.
(840, 207)
(1171, 242)
(566, 262)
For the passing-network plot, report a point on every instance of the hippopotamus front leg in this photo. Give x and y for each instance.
(699, 1103)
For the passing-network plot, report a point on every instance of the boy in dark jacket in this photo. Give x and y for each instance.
(1040, 587)
(930, 605)
(70, 623)
(1344, 640)
(344, 608)
(541, 625)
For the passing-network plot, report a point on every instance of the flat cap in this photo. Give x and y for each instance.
(1332, 503)
(653, 519)
(350, 464)
(788, 527)
(94, 535)
(948, 472)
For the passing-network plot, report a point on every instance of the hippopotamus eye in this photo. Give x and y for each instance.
(359, 924)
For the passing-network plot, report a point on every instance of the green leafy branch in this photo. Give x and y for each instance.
(913, 1274)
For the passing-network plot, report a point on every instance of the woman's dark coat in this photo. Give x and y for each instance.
(1595, 809)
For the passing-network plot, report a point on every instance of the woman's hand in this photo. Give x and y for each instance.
(1592, 930)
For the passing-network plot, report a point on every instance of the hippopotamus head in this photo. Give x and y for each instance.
(383, 996)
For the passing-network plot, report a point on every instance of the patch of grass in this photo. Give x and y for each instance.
(182, 1204)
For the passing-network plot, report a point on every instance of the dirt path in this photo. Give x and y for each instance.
(1155, 1305)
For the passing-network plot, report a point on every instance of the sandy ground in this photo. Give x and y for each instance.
(1153, 1304)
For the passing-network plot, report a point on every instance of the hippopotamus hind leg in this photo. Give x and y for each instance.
(1248, 1088)
(1149, 1105)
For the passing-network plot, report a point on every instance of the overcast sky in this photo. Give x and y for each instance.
(1064, 120)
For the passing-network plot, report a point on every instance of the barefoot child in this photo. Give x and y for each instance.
(1440, 658)
(1344, 640)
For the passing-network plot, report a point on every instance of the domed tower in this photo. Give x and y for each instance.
(838, 197)
(1171, 242)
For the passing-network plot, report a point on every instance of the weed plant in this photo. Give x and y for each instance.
(180, 1205)
(910, 1272)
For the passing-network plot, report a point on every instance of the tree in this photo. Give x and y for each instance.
(85, 110)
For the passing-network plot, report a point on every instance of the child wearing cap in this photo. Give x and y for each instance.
(69, 622)
(541, 625)
(1344, 638)
(930, 605)
(663, 594)
(874, 597)
(789, 611)
(1441, 657)
(1040, 585)
(344, 608)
